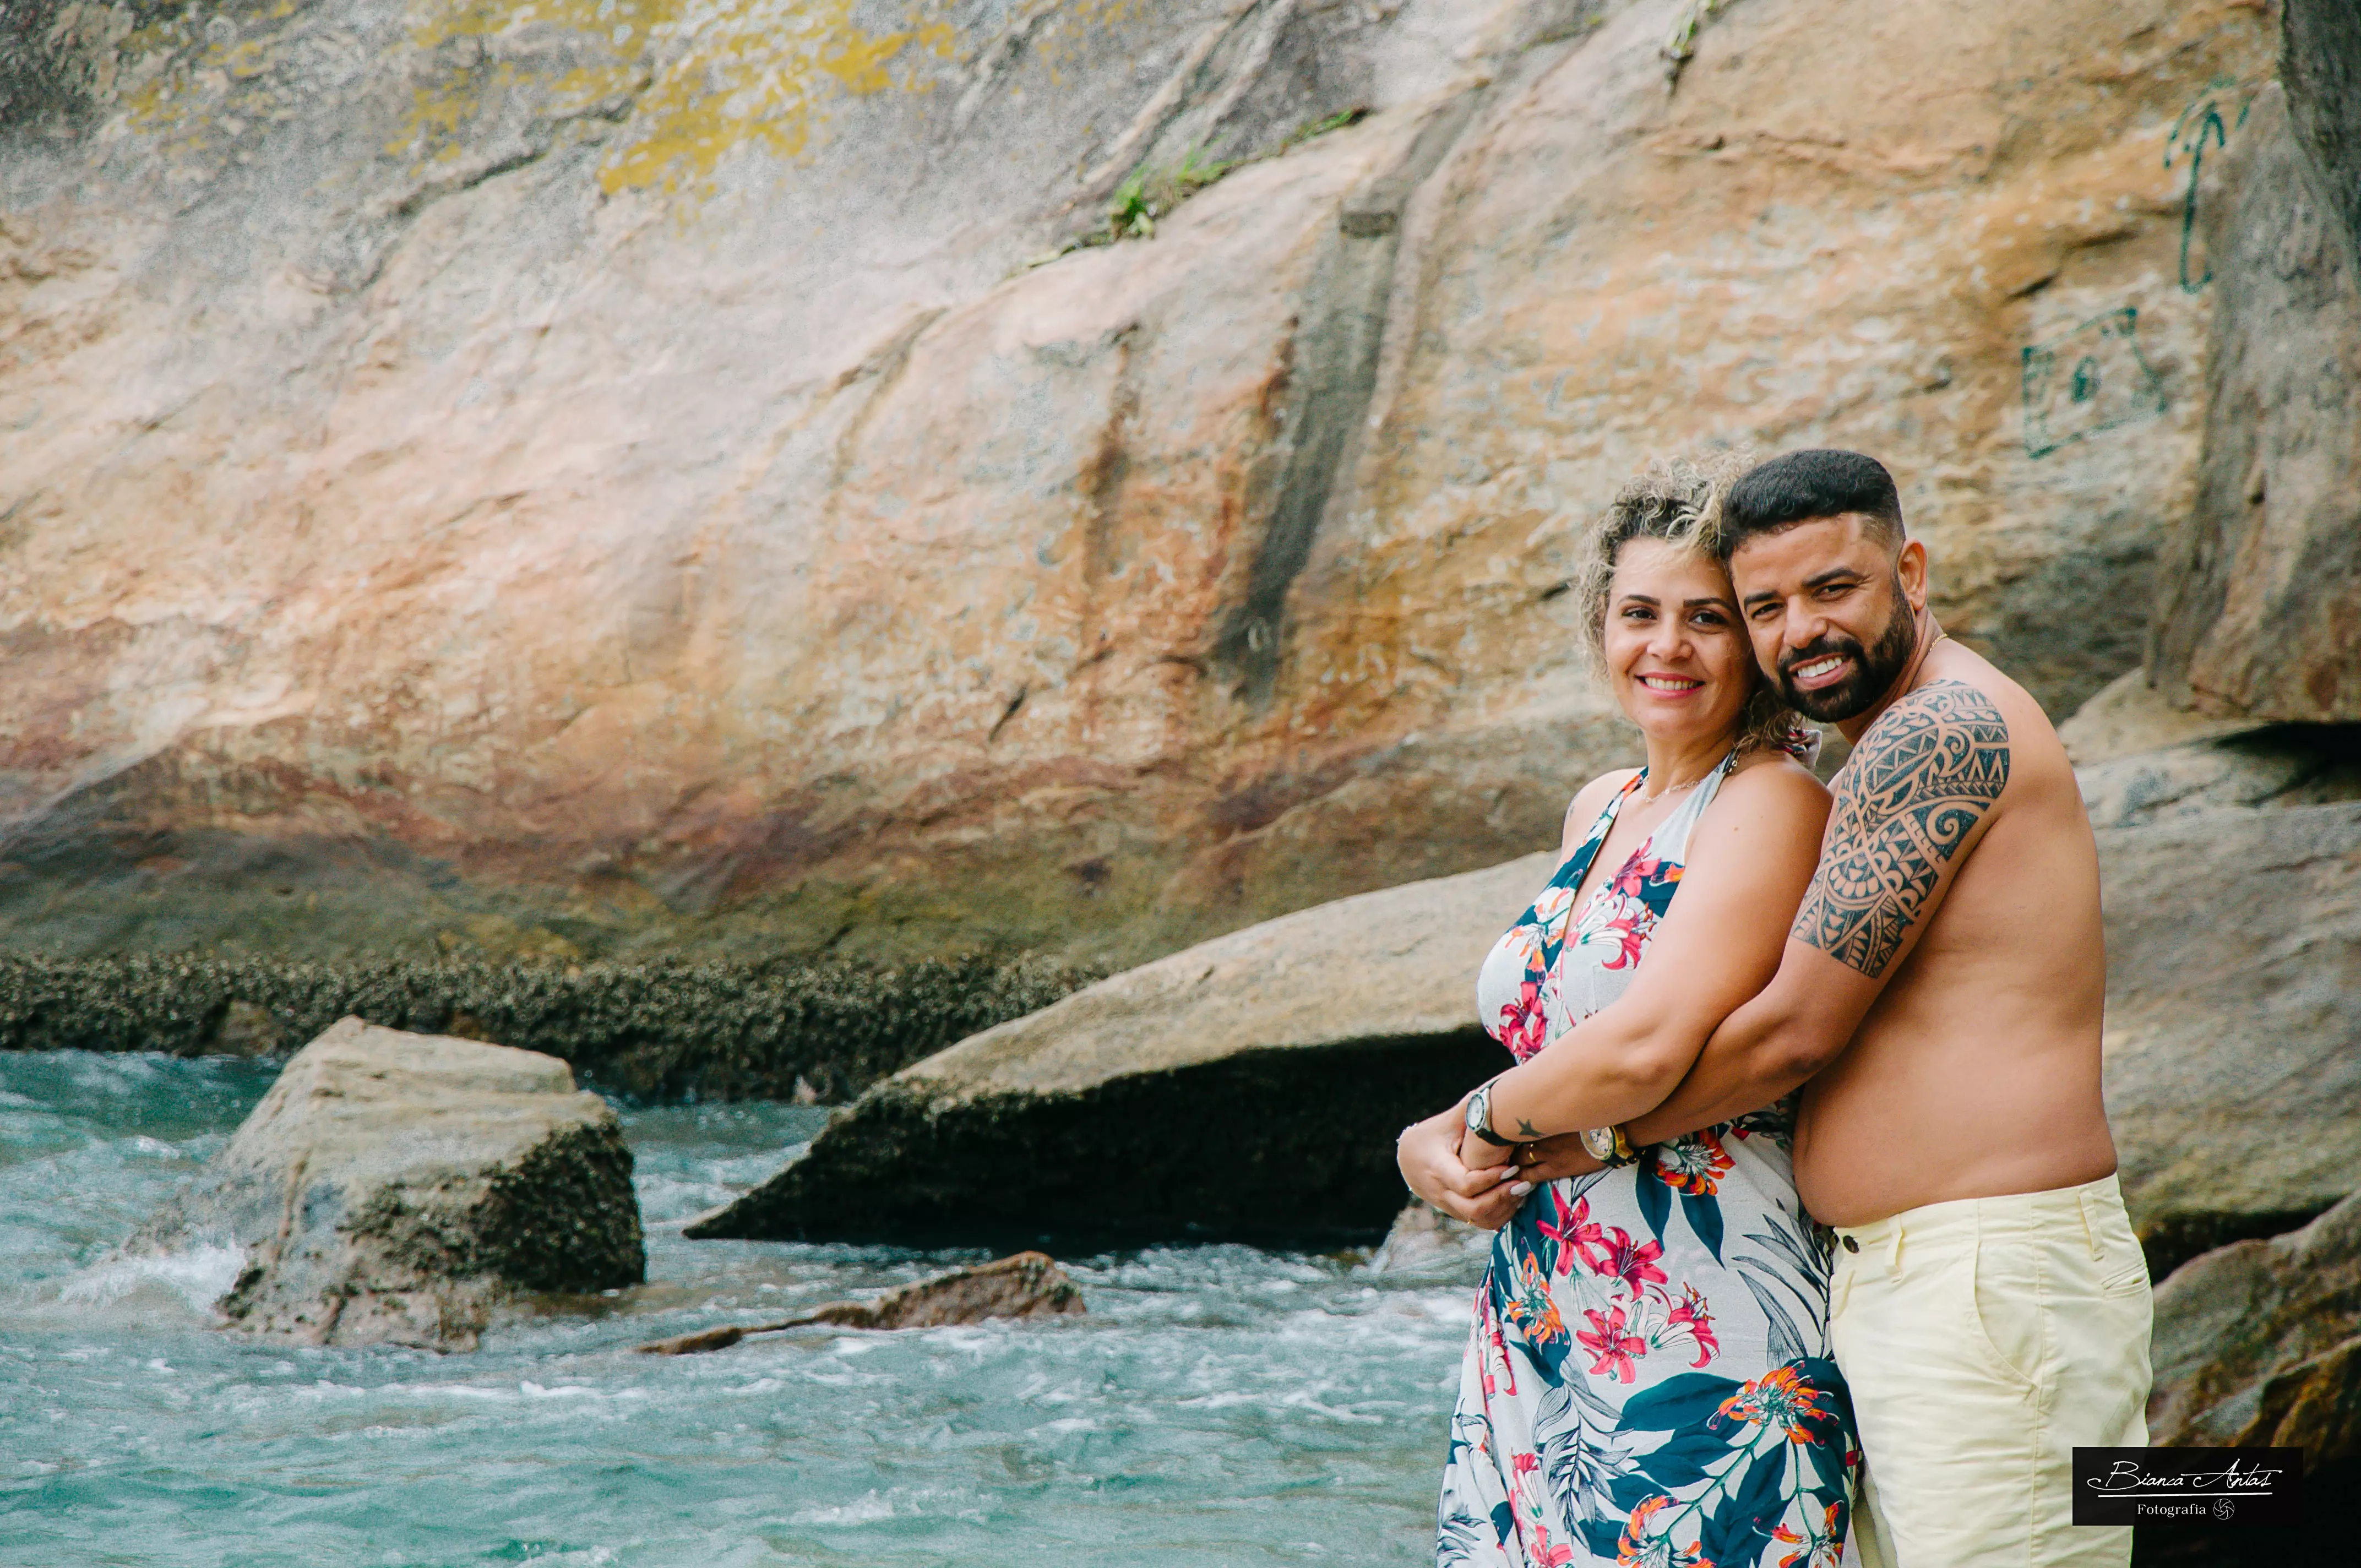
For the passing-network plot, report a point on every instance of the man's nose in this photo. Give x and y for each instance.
(1804, 627)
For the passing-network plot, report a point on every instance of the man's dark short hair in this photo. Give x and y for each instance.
(1804, 485)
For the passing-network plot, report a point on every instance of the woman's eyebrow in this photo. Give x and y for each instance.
(1722, 600)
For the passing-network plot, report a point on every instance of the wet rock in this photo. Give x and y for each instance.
(2233, 1045)
(246, 1029)
(1424, 1239)
(1248, 1087)
(2259, 1343)
(2258, 610)
(395, 1187)
(1029, 1285)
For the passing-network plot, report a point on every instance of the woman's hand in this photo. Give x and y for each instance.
(1428, 1153)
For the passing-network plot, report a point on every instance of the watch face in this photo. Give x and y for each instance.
(1479, 1111)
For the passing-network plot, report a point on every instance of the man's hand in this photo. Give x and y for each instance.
(1553, 1158)
(1428, 1153)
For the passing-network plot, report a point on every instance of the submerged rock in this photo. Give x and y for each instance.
(2259, 1343)
(1028, 1284)
(392, 1187)
(1248, 1087)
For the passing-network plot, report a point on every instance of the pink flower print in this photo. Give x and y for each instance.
(1524, 1023)
(1690, 1320)
(1636, 874)
(1545, 1555)
(1630, 929)
(1632, 1262)
(1574, 1231)
(1611, 1346)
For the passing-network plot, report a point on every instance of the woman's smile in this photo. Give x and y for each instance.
(1670, 685)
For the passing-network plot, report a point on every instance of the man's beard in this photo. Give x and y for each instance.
(1874, 669)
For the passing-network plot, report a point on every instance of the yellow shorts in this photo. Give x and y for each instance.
(1983, 1339)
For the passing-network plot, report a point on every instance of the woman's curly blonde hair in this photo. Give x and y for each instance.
(1678, 500)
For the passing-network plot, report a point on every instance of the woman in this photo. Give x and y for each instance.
(1648, 1378)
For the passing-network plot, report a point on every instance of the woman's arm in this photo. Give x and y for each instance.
(1749, 865)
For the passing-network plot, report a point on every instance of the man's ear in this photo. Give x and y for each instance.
(1910, 569)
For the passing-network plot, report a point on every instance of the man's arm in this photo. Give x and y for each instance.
(1912, 801)
(1753, 857)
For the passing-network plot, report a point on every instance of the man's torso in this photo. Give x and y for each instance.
(1976, 1072)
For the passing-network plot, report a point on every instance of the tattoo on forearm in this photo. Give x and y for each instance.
(1926, 773)
(1526, 1129)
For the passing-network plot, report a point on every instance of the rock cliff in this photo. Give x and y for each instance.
(529, 476)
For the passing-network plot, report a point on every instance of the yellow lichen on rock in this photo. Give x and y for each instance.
(750, 71)
(707, 76)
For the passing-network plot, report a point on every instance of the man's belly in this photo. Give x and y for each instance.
(1899, 1122)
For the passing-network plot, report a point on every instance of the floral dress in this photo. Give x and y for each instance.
(1648, 1381)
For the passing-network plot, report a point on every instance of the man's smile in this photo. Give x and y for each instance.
(1821, 672)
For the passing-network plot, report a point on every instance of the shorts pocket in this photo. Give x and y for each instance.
(2132, 1281)
(2007, 1311)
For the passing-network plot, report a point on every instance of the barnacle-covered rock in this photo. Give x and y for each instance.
(394, 1187)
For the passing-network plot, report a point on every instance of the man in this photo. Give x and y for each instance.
(1941, 991)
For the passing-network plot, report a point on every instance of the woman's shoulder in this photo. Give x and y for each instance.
(1590, 800)
(1774, 784)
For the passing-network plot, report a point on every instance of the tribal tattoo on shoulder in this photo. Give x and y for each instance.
(1924, 776)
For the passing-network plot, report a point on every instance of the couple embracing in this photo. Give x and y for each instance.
(1807, 1218)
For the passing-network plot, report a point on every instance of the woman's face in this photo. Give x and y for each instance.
(1677, 654)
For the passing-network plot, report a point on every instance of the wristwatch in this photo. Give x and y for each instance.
(1479, 1117)
(1609, 1146)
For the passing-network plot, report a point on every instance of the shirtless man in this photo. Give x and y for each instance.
(1940, 998)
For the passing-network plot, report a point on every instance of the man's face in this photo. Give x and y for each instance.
(1832, 615)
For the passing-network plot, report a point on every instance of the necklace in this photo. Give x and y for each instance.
(1649, 798)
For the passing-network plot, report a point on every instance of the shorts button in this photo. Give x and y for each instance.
(1850, 1245)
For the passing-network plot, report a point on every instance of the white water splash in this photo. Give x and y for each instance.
(200, 1276)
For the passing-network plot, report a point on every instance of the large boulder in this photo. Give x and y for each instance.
(1251, 1087)
(542, 477)
(394, 1187)
(2260, 1343)
(2258, 610)
(2233, 1019)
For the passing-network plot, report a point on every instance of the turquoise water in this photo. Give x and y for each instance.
(1218, 1405)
